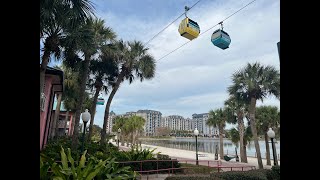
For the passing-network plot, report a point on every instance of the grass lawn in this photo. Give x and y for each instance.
(194, 169)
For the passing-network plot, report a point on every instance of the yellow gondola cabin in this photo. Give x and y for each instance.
(189, 29)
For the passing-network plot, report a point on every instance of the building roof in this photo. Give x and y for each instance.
(148, 111)
(199, 115)
(56, 72)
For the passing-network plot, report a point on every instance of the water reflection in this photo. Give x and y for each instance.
(208, 145)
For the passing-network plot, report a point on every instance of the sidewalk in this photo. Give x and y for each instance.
(183, 155)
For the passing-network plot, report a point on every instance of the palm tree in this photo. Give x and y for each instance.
(120, 123)
(102, 72)
(88, 39)
(135, 126)
(237, 107)
(267, 116)
(134, 61)
(252, 83)
(218, 118)
(55, 17)
(71, 92)
(235, 138)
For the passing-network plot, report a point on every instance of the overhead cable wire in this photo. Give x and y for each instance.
(169, 24)
(207, 29)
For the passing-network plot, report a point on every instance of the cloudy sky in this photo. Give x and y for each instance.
(193, 79)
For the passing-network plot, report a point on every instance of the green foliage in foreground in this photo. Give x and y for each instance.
(258, 174)
(92, 168)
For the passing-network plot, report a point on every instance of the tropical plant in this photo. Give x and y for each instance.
(115, 171)
(53, 148)
(120, 123)
(237, 109)
(101, 72)
(88, 39)
(135, 62)
(255, 82)
(44, 168)
(247, 136)
(135, 127)
(77, 170)
(267, 116)
(217, 118)
(56, 17)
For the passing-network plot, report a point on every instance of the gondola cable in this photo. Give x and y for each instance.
(171, 23)
(207, 29)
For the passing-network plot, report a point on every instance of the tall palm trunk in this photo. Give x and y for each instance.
(72, 124)
(83, 81)
(43, 67)
(66, 122)
(252, 112)
(93, 111)
(106, 112)
(132, 140)
(266, 139)
(221, 142)
(56, 115)
(245, 151)
(241, 134)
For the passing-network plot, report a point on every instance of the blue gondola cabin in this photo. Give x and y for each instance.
(100, 101)
(220, 39)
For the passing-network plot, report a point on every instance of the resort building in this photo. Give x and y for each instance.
(53, 85)
(176, 122)
(199, 121)
(153, 119)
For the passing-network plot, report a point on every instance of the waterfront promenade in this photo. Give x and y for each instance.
(185, 155)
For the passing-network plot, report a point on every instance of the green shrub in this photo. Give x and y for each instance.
(276, 169)
(94, 168)
(136, 154)
(44, 167)
(198, 177)
(53, 146)
(242, 175)
(69, 169)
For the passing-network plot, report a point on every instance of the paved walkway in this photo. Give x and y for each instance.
(186, 156)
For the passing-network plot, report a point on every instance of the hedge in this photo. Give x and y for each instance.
(258, 174)
(198, 177)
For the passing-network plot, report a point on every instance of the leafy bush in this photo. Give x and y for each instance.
(44, 167)
(276, 169)
(242, 175)
(196, 169)
(53, 147)
(198, 177)
(136, 154)
(94, 168)
(69, 169)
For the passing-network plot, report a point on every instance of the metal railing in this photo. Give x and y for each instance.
(214, 164)
(255, 155)
(211, 164)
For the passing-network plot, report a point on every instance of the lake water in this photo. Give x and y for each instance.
(209, 144)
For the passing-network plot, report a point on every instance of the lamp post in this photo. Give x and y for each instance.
(271, 135)
(216, 153)
(237, 157)
(196, 133)
(119, 131)
(85, 118)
